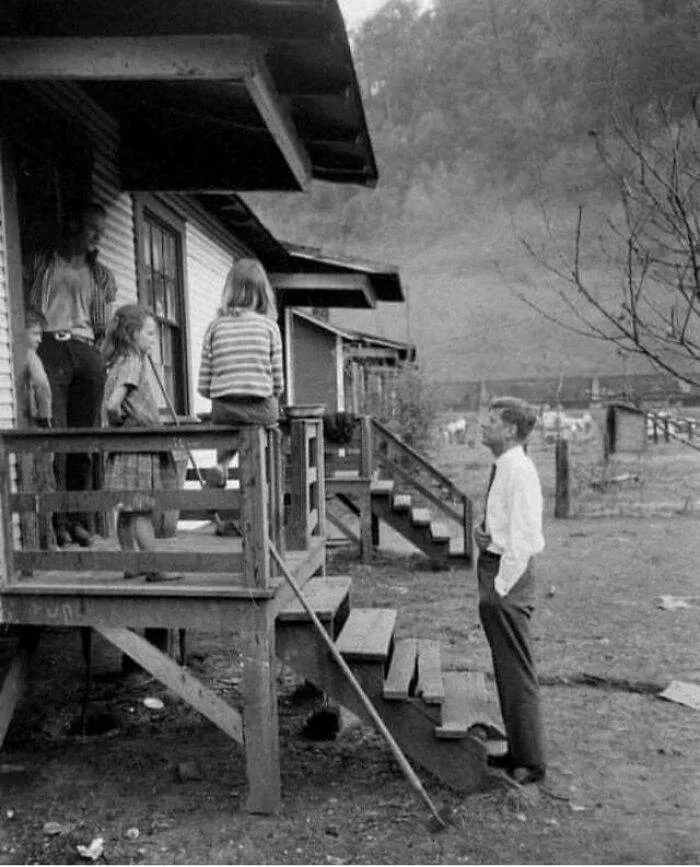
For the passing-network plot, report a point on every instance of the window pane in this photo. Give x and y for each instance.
(171, 298)
(169, 255)
(161, 290)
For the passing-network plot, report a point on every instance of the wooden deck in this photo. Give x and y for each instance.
(201, 599)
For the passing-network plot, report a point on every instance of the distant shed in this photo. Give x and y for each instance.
(625, 428)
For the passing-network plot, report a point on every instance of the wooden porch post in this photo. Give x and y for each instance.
(297, 534)
(365, 497)
(260, 721)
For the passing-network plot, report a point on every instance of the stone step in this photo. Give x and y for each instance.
(368, 634)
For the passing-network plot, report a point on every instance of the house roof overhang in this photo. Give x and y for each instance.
(319, 279)
(306, 276)
(210, 94)
(362, 346)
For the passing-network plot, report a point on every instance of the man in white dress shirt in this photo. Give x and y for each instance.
(509, 537)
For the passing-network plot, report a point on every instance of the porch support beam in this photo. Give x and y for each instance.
(318, 282)
(231, 58)
(128, 58)
(178, 679)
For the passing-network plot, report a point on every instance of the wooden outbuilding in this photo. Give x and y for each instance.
(625, 429)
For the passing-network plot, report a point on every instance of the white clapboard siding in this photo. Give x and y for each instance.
(208, 263)
(117, 250)
(7, 400)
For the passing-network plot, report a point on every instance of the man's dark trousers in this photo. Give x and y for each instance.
(506, 623)
(75, 372)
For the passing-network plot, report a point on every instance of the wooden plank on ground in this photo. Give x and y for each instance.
(324, 596)
(430, 686)
(367, 634)
(402, 670)
(178, 679)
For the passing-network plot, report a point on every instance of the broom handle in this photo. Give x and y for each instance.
(354, 683)
(176, 422)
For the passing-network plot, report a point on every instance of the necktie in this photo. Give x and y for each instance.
(492, 476)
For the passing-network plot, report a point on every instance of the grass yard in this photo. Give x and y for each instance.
(624, 781)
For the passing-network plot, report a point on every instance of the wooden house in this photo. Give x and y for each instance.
(162, 113)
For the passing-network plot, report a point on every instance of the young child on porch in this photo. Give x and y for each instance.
(129, 401)
(241, 368)
(38, 469)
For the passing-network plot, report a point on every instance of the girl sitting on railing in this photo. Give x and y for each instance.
(129, 401)
(241, 368)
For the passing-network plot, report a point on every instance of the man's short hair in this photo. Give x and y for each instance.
(514, 410)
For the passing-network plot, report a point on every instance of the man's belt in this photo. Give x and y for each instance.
(70, 335)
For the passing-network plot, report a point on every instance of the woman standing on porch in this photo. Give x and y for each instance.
(241, 368)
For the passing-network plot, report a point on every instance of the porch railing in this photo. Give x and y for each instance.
(375, 452)
(399, 461)
(257, 503)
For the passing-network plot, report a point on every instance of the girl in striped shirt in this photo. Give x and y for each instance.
(241, 368)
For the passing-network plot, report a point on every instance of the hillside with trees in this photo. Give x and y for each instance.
(485, 118)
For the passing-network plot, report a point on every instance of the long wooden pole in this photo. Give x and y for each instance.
(176, 422)
(408, 771)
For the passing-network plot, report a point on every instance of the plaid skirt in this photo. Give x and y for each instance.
(139, 473)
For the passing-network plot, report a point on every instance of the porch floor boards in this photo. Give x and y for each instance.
(220, 585)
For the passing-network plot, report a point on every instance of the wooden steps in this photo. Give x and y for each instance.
(324, 595)
(431, 713)
(468, 704)
(368, 634)
(430, 686)
(401, 678)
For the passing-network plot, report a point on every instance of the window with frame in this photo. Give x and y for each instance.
(161, 289)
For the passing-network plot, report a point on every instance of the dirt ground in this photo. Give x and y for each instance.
(624, 765)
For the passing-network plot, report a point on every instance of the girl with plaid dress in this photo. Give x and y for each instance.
(129, 401)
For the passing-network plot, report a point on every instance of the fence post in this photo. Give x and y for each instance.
(562, 502)
(667, 437)
(655, 429)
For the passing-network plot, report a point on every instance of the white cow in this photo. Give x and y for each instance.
(456, 431)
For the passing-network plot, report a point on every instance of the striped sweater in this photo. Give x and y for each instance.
(241, 356)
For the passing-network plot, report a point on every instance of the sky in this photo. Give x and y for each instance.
(354, 11)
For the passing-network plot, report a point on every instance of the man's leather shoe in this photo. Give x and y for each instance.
(63, 537)
(82, 536)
